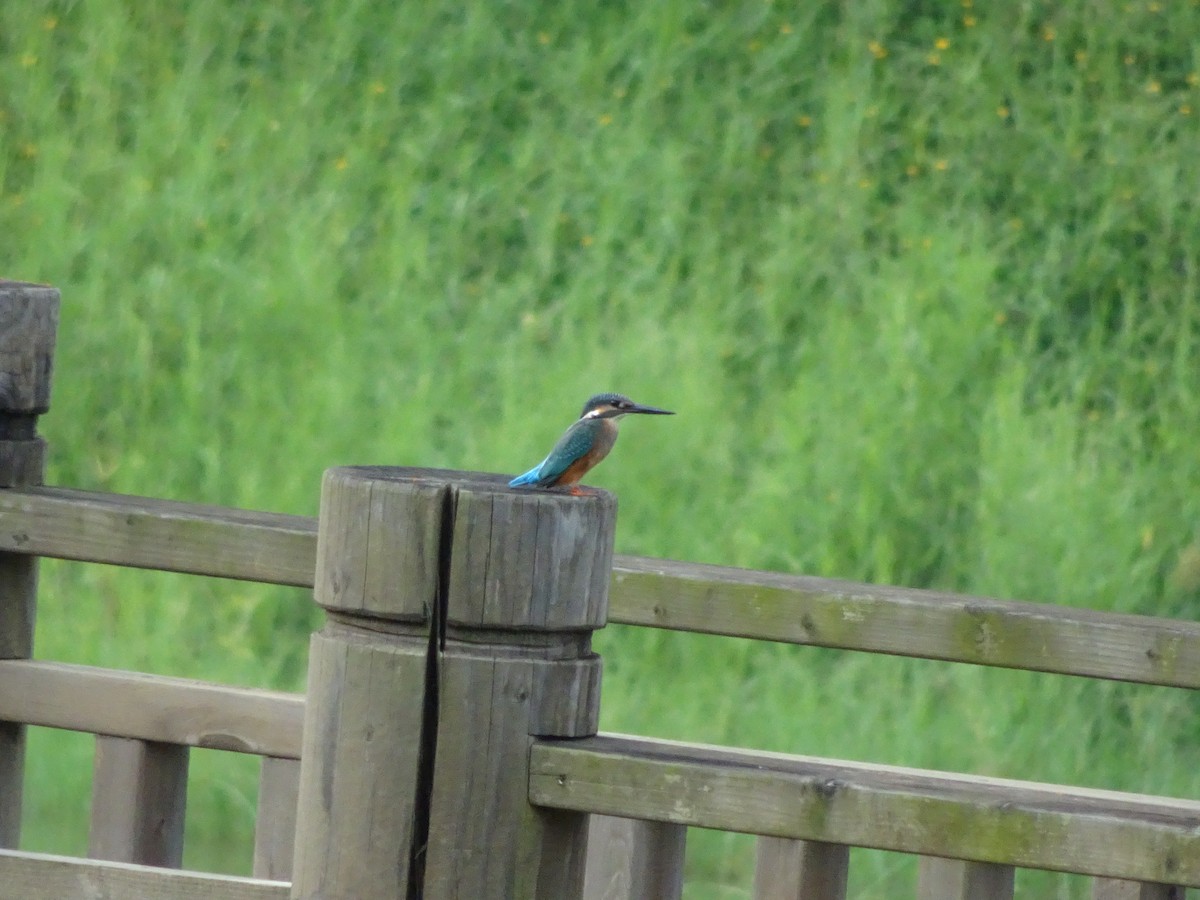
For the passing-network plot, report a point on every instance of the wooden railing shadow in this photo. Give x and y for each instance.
(448, 744)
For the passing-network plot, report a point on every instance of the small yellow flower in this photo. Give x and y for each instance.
(766, 151)
(877, 49)
(620, 93)
(377, 88)
(543, 38)
(969, 21)
(1154, 7)
(1192, 79)
(785, 28)
(1015, 224)
(587, 240)
(1147, 530)
(934, 59)
(28, 150)
(942, 43)
(1049, 33)
(912, 170)
(967, 4)
(754, 46)
(50, 23)
(941, 165)
(1003, 111)
(926, 243)
(1081, 56)
(804, 121)
(1154, 87)
(605, 119)
(1000, 318)
(1185, 109)
(28, 60)
(341, 163)
(865, 183)
(1130, 59)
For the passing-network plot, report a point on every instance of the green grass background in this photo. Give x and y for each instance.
(920, 280)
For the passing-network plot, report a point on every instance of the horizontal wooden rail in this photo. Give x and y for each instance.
(281, 549)
(798, 609)
(151, 707)
(39, 876)
(1025, 824)
(159, 534)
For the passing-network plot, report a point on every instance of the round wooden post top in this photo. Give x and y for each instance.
(397, 542)
(28, 324)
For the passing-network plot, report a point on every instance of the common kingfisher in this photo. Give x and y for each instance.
(585, 443)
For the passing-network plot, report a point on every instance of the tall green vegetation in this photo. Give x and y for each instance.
(920, 280)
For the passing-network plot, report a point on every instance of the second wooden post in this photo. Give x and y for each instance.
(460, 623)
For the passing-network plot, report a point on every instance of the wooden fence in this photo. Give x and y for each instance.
(448, 744)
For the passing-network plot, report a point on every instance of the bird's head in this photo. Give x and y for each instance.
(612, 406)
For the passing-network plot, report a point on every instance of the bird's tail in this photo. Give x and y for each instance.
(529, 477)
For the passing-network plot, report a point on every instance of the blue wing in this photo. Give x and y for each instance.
(575, 442)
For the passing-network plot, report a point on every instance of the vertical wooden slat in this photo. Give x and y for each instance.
(139, 795)
(956, 879)
(358, 808)
(800, 870)
(527, 581)
(28, 323)
(275, 822)
(630, 859)
(1117, 889)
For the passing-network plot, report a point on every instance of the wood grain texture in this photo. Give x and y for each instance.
(151, 707)
(280, 549)
(28, 327)
(956, 879)
(1117, 889)
(911, 810)
(378, 532)
(822, 612)
(159, 534)
(139, 796)
(528, 574)
(800, 870)
(630, 859)
(40, 876)
(275, 821)
(530, 560)
(358, 774)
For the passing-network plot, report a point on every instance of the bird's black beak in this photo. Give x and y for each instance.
(648, 410)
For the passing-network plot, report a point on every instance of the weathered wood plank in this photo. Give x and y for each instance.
(151, 707)
(356, 808)
(40, 876)
(822, 612)
(528, 577)
(957, 879)
(275, 822)
(359, 819)
(1117, 889)
(910, 810)
(159, 534)
(788, 869)
(630, 859)
(139, 796)
(28, 326)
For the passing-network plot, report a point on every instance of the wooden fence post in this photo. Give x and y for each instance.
(28, 324)
(460, 615)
